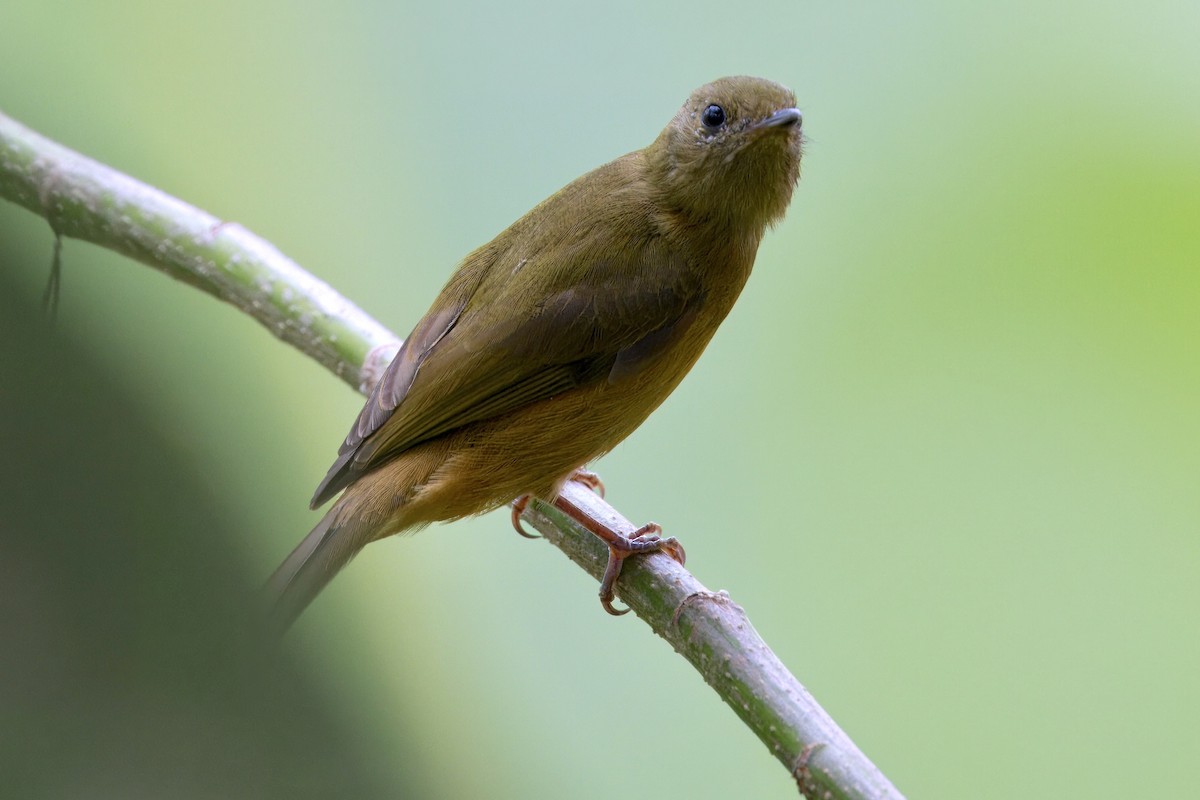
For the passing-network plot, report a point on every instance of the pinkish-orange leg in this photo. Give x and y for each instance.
(621, 546)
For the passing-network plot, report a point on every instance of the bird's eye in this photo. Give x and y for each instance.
(713, 117)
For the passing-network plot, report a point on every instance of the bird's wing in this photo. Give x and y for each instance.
(471, 359)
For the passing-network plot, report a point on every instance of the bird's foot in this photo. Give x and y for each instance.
(645, 539)
(621, 546)
(589, 479)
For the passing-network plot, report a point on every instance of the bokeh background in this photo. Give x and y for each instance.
(945, 451)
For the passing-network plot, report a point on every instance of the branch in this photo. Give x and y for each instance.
(87, 200)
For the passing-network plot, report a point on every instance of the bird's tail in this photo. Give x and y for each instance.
(314, 562)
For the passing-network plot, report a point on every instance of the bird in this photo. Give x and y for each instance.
(554, 341)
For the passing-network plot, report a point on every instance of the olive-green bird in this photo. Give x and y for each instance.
(554, 341)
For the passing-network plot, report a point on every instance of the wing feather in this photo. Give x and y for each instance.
(496, 340)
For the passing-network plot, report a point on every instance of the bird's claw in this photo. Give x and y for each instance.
(645, 539)
(518, 508)
(589, 479)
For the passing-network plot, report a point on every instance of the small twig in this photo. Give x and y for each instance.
(87, 200)
(54, 282)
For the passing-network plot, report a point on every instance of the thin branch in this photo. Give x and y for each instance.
(87, 200)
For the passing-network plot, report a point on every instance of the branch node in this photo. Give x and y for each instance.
(374, 364)
(802, 773)
(720, 597)
(216, 229)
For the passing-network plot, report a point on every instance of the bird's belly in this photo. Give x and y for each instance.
(533, 450)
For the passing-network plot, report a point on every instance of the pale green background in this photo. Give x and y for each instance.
(945, 450)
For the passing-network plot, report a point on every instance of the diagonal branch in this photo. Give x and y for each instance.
(84, 199)
(87, 200)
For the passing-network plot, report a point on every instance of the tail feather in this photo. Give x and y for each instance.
(314, 562)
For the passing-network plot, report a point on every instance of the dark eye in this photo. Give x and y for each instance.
(713, 116)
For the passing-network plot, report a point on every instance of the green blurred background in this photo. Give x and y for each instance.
(945, 450)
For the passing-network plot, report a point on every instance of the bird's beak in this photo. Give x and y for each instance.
(783, 118)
